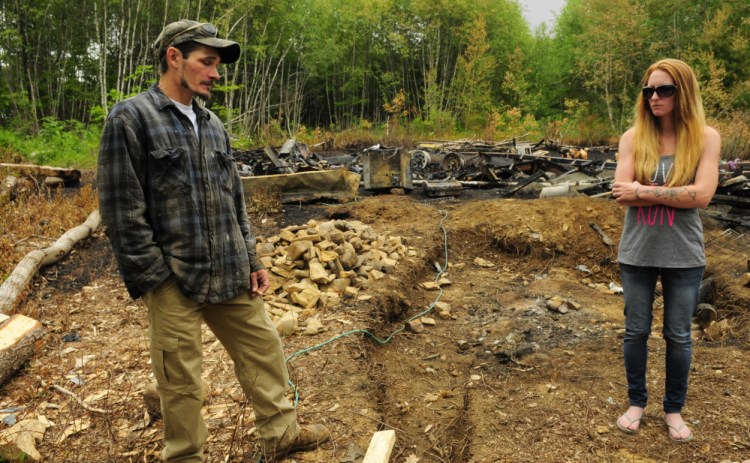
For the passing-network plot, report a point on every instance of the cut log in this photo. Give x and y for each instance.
(20, 338)
(380, 447)
(8, 190)
(33, 261)
(69, 176)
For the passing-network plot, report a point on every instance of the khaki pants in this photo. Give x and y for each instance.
(244, 329)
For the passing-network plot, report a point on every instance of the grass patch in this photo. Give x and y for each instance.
(264, 202)
(37, 217)
(58, 143)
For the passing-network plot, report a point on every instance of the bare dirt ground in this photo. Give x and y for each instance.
(504, 380)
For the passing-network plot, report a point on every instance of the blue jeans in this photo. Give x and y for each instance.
(680, 291)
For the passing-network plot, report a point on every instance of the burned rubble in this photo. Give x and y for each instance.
(510, 168)
(507, 166)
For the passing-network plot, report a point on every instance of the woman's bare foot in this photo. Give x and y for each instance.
(630, 421)
(678, 430)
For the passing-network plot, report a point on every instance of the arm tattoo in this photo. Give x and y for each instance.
(655, 192)
(672, 194)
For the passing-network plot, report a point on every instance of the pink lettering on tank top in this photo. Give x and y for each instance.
(656, 215)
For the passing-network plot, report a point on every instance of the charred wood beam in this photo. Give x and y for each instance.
(522, 183)
(737, 201)
(280, 164)
(543, 165)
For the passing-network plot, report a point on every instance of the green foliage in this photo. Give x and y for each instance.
(97, 114)
(273, 133)
(511, 123)
(581, 125)
(463, 67)
(23, 455)
(473, 83)
(224, 112)
(603, 54)
(735, 135)
(58, 143)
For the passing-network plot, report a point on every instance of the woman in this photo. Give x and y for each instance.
(667, 170)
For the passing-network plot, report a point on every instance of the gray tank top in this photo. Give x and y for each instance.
(662, 236)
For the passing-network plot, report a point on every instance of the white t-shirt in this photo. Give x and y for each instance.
(188, 111)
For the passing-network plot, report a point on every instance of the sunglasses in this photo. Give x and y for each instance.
(664, 91)
(209, 30)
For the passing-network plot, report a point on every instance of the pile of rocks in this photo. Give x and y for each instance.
(316, 265)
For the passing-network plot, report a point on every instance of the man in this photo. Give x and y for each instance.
(172, 201)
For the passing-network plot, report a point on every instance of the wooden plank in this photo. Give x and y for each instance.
(305, 186)
(380, 447)
(737, 201)
(281, 164)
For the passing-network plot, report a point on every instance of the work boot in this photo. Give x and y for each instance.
(310, 437)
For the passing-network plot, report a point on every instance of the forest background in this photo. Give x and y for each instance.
(365, 71)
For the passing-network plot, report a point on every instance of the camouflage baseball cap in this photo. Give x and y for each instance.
(186, 30)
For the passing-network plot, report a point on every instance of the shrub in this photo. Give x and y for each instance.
(59, 143)
(735, 135)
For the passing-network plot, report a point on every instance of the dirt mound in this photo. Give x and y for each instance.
(395, 213)
(560, 231)
(565, 232)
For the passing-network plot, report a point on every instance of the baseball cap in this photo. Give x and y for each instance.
(186, 30)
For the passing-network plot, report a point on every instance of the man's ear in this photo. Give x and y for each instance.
(174, 55)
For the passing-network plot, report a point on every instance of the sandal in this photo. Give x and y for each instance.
(626, 429)
(677, 429)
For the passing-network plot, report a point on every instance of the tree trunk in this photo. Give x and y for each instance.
(68, 175)
(101, 38)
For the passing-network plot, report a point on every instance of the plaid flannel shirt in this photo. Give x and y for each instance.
(172, 203)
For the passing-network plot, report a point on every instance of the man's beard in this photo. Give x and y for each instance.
(202, 95)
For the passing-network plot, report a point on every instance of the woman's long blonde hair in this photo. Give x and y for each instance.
(689, 121)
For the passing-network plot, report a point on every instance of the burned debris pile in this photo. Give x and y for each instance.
(446, 168)
(515, 168)
(291, 157)
(731, 202)
(511, 168)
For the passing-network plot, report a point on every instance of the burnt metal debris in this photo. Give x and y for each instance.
(731, 202)
(512, 168)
